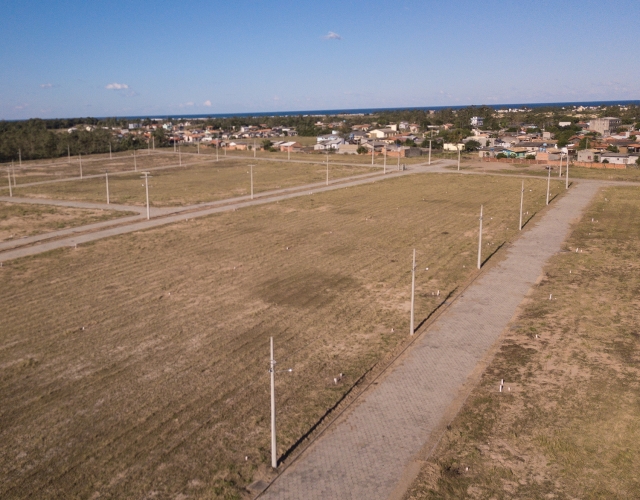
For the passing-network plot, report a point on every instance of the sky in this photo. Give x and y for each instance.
(68, 58)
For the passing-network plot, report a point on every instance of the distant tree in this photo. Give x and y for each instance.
(361, 150)
(267, 145)
(472, 145)
(612, 148)
(633, 137)
(501, 155)
(638, 161)
(409, 143)
(530, 157)
(605, 161)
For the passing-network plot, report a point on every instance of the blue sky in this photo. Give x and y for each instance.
(66, 58)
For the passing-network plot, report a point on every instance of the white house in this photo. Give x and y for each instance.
(477, 121)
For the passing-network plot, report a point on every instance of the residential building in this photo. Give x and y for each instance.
(477, 121)
(605, 126)
(348, 149)
(588, 155)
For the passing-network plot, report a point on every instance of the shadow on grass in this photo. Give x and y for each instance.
(436, 309)
(494, 252)
(524, 224)
(306, 435)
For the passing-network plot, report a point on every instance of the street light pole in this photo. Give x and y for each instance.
(521, 203)
(272, 370)
(480, 241)
(146, 187)
(413, 290)
(251, 173)
(429, 151)
(106, 176)
(327, 169)
(548, 183)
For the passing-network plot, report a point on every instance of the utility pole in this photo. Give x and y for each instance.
(153, 142)
(20, 157)
(384, 170)
(251, 173)
(327, 169)
(429, 151)
(289, 153)
(548, 182)
(69, 154)
(567, 174)
(146, 187)
(198, 143)
(106, 177)
(80, 160)
(413, 290)
(135, 161)
(217, 148)
(521, 203)
(458, 146)
(560, 171)
(398, 150)
(373, 150)
(480, 241)
(110, 155)
(254, 148)
(180, 155)
(13, 171)
(272, 371)
(10, 188)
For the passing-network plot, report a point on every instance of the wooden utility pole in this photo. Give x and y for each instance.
(480, 241)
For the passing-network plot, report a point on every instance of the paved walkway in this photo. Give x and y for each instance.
(364, 455)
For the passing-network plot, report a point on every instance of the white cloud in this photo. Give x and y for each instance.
(207, 103)
(117, 86)
(21, 106)
(46, 85)
(332, 36)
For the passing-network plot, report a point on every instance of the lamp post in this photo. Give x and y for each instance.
(480, 241)
(521, 203)
(146, 187)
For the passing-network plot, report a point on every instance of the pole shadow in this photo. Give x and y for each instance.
(436, 309)
(493, 253)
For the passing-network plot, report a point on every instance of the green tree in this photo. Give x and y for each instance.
(472, 145)
(361, 150)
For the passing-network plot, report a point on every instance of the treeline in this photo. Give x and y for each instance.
(37, 139)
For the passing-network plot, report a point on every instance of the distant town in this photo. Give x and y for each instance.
(590, 135)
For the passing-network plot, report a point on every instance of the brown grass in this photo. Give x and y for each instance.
(137, 366)
(569, 427)
(18, 220)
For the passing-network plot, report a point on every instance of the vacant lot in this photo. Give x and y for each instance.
(137, 366)
(18, 220)
(195, 184)
(567, 424)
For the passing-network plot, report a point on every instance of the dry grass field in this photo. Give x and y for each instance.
(198, 183)
(569, 427)
(18, 220)
(136, 366)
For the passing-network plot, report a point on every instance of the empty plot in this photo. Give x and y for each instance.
(206, 181)
(137, 365)
(18, 220)
(566, 424)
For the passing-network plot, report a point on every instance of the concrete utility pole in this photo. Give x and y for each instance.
(429, 151)
(217, 148)
(153, 142)
(398, 158)
(327, 169)
(69, 153)
(135, 161)
(146, 187)
(384, 169)
(289, 153)
(10, 188)
(413, 290)
(521, 203)
(272, 371)
(560, 171)
(251, 173)
(110, 154)
(458, 158)
(198, 143)
(13, 172)
(80, 160)
(20, 157)
(174, 145)
(180, 155)
(373, 150)
(480, 241)
(106, 177)
(548, 184)
(225, 149)
(567, 174)
(254, 149)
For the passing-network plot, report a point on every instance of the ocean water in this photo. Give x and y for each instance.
(366, 111)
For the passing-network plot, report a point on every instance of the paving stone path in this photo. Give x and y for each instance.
(364, 455)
